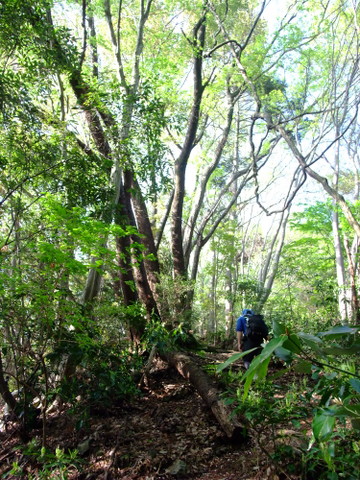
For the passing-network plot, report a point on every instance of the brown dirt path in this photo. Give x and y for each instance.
(166, 433)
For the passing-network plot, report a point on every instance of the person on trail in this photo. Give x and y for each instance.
(251, 331)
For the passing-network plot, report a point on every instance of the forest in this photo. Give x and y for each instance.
(165, 164)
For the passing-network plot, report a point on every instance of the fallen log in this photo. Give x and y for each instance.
(203, 384)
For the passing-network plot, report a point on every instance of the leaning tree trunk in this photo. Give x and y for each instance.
(234, 430)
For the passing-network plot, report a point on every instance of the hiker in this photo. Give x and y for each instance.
(251, 331)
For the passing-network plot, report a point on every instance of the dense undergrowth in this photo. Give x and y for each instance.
(304, 408)
(300, 399)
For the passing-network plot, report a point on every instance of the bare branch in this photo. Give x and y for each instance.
(208, 55)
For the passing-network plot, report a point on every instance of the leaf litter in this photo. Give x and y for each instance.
(166, 433)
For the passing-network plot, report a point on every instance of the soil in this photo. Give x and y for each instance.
(166, 433)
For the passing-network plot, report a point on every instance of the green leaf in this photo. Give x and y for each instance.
(355, 383)
(339, 331)
(284, 354)
(278, 328)
(323, 425)
(338, 350)
(293, 343)
(232, 359)
(307, 337)
(258, 367)
(352, 410)
(303, 366)
(312, 341)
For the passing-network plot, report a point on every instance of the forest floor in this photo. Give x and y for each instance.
(166, 433)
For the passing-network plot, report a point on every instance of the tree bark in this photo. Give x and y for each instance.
(4, 390)
(181, 162)
(273, 259)
(234, 430)
(144, 228)
(355, 304)
(134, 268)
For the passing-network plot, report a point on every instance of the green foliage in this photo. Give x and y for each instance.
(167, 337)
(249, 290)
(306, 281)
(58, 203)
(314, 219)
(172, 293)
(58, 465)
(157, 334)
(107, 375)
(330, 368)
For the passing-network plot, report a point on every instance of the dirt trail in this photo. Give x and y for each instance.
(166, 433)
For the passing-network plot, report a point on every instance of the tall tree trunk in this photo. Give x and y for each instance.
(189, 142)
(143, 224)
(133, 279)
(273, 259)
(339, 257)
(229, 303)
(340, 267)
(355, 304)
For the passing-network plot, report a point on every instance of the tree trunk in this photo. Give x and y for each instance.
(131, 268)
(273, 260)
(355, 307)
(4, 390)
(181, 162)
(340, 269)
(234, 430)
(339, 256)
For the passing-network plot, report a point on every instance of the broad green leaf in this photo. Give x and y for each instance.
(312, 341)
(323, 425)
(352, 411)
(257, 373)
(338, 350)
(284, 354)
(293, 343)
(307, 337)
(339, 331)
(232, 359)
(278, 328)
(258, 367)
(355, 383)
